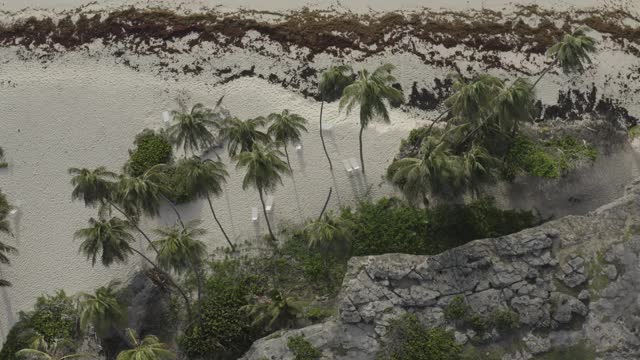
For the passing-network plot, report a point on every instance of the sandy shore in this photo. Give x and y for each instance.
(83, 108)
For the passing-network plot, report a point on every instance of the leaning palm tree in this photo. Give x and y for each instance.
(241, 135)
(286, 128)
(331, 84)
(204, 178)
(101, 309)
(110, 240)
(272, 312)
(94, 187)
(264, 172)
(191, 128)
(370, 91)
(106, 239)
(329, 234)
(435, 171)
(150, 348)
(4, 259)
(571, 52)
(43, 350)
(97, 187)
(180, 250)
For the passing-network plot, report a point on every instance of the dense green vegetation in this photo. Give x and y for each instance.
(223, 306)
(5, 228)
(408, 339)
(389, 226)
(54, 318)
(303, 349)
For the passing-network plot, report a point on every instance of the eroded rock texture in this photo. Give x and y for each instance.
(573, 280)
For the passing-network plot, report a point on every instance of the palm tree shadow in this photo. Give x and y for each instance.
(336, 190)
(8, 309)
(295, 192)
(228, 201)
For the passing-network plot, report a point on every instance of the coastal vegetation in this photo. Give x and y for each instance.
(221, 306)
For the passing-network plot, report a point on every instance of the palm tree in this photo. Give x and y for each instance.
(264, 172)
(111, 241)
(436, 170)
(370, 91)
(478, 166)
(571, 52)
(4, 251)
(150, 348)
(42, 350)
(286, 128)
(241, 135)
(204, 178)
(180, 250)
(329, 233)
(331, 84)
(272, 312)
(94, 187)
(101, 309)
(191, 130)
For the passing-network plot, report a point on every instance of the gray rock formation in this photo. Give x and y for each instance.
(570, 281)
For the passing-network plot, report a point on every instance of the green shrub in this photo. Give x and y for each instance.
(151, 149)
(54, 317)
(317, 314)
(225, 331)
(408, 339)
(20, 336)
(548, 159)
(302, 348)
(388, 226)
(457, 309)
(505, 319)
(634, 132)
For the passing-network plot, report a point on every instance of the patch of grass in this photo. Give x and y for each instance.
(303, 349)
(457, 309)
(581, 351)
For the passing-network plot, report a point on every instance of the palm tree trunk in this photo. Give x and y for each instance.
(266, 218)
(233, 248)
(361, 155)
(134, 223)
(544, 72)
(322, 136)
(286, 153)
(173, 283)
(325, 203)
(173, 206)
(436, 120)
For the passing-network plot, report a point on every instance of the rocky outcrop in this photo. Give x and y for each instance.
(568, 282)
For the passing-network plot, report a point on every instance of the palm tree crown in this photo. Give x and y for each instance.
(204, 178)
(334, 80)
(286, 128)
(179, 247)
(191, 128)
(241, 135)
(370, 91)
(108, 239)
(42, 350)
(101, 309)
(142, 194)
(573, 50)
(92, 186)
(150, 348)
(264, 168)
(329, 233)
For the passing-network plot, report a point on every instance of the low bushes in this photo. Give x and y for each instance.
(388, 226)
(54, 317)
(408, 339)
(151, 149)
(302, 348)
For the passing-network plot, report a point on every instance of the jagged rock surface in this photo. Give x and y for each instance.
(572, 280)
